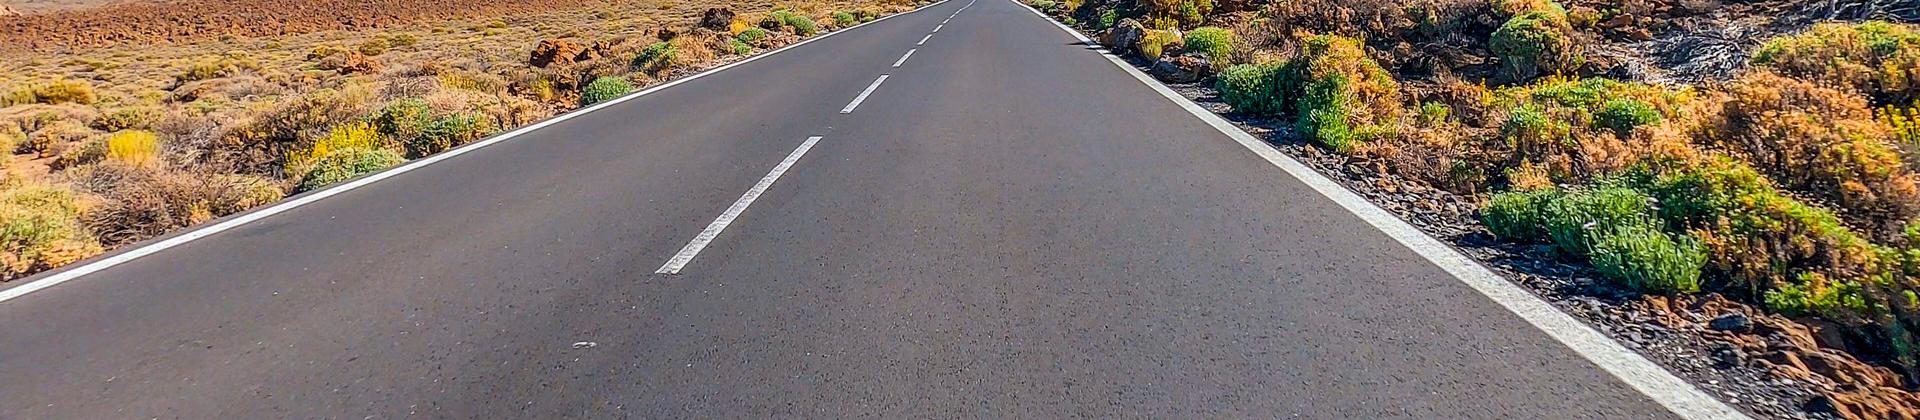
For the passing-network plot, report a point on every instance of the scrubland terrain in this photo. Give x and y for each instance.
(145, 128)
(1739, 172)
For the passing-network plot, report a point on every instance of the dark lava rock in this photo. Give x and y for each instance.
(717, 19)
(1182, 69)
(1731, 323)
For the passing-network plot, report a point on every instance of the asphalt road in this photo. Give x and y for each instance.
(1009, 226)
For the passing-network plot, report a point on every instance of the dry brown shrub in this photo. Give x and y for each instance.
(1822, 142)
(138, 202)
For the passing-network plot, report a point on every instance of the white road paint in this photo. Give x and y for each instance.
(74, 272)
(903, 58)
(936, 29)
(1631, 368)
(706, 236)
(923, 41)
(863, 95)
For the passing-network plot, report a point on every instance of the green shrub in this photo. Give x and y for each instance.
(799, 24)
(751, 35)
(344, 164)
(1255, 89)
(1573, 222)
(736, 47)
(1190, 14)
(1519, 216)
(1340, 97)
(126, 119)
(604, 89)
(1347, 97)
(1216, 43)
(1880, 59)
(654, 54)
(1642, 257)
(1108, 19)
(1043, 5)
(447, 132)
(1534, 43)
(55, 92)
(41, 227)
(402, 119)
(844, 19)
(1435, 112)
(1623, 115)
(1157, 42)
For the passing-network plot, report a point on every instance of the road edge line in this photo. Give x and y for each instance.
(1652, 380)
(65, 274)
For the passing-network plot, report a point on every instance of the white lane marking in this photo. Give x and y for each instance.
(923, 41)
(863, 95)
(903, 58)
(706, 236)
(936, 29)
(1636, 371)
(74, 272)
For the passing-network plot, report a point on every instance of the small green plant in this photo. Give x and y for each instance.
(799, 24)
(1623, 115)
(1519, 216)
(604, 89)
(402, 119)
(1433, 113)
(1644, 258)
(1254, 89)
(751, 35)
(844, 19)
(1573, 222)
(1108, 19)
(1216, 43)
(1534, 43)
(344, 164)
(1157, 42)
(448, 131)
(654, 54)
(736, 47)
(1190, 14)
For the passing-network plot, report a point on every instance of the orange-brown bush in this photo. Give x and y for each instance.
(1880, 59)
(1823, 143)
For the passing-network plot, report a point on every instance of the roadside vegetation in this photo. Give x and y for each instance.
(1790, 184)
(121, 143)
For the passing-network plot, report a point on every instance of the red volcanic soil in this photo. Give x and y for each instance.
(185, 20)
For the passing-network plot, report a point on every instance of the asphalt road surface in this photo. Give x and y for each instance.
(1007, 226)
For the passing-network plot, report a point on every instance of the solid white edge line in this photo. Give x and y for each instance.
(863, 95)
(706, 236)
(74, 272)
(1631, 368)
(923, 41)
(903, 58)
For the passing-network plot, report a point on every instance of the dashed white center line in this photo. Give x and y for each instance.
(903, 58)
(863, 95)
(706, 236)
(923, 41)
(937, 28)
